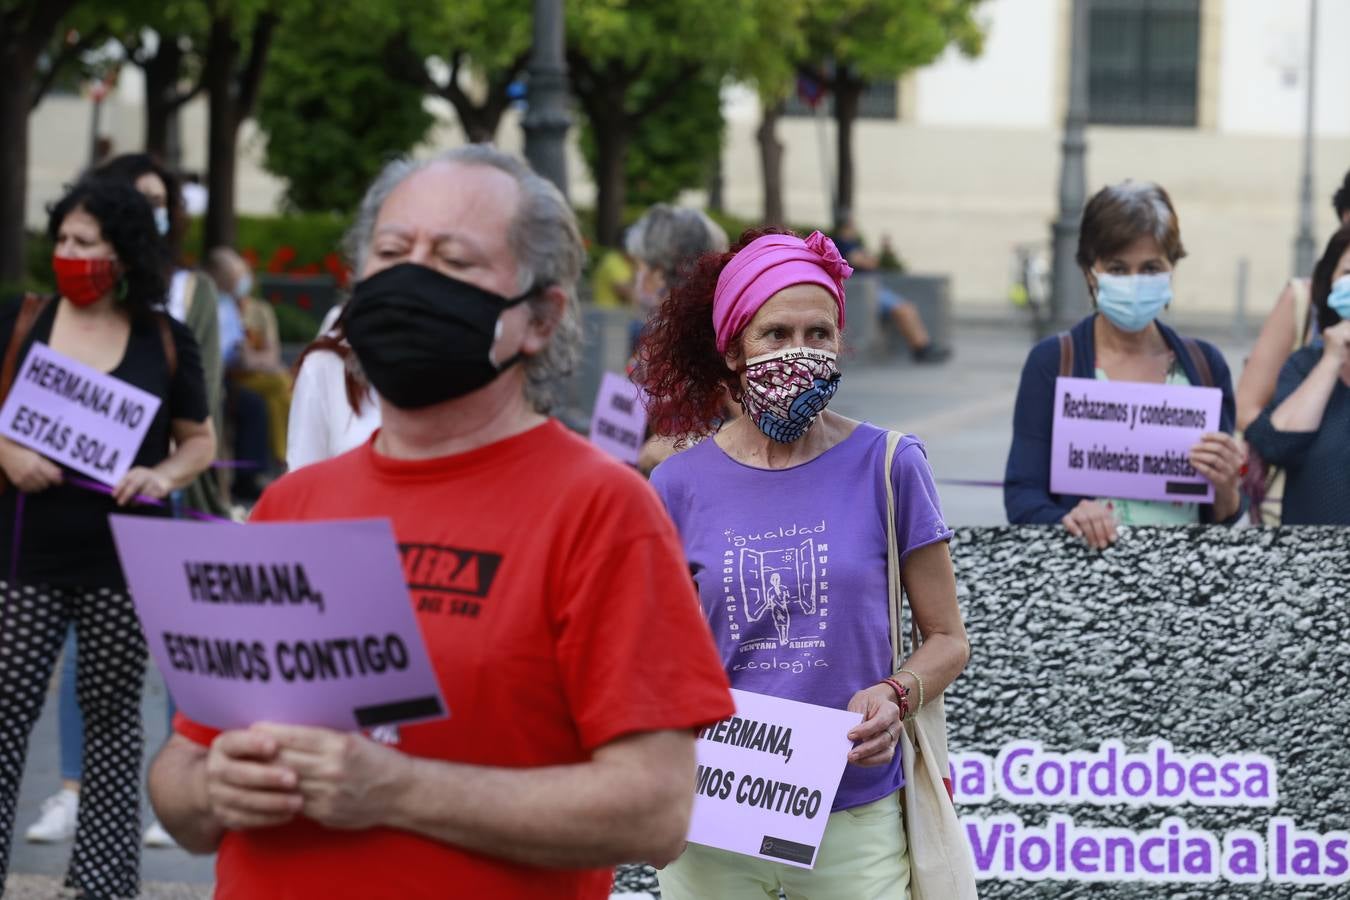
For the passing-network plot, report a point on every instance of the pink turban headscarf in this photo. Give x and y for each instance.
(766, 266)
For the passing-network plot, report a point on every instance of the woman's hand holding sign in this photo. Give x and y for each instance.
(1219, 458)
(142, 482)
(28, 471)
(1093, 522)
(876, 736)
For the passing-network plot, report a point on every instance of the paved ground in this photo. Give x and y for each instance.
(962, 410)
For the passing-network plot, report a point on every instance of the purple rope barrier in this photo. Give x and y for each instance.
(100, 488)
(965, 482)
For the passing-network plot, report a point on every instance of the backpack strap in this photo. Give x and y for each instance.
(33, 306)
(166, 338)
(1065, 355)
(1199, 361)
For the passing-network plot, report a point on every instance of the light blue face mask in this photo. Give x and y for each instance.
(1339, 298)
(1131, 302)
(162, 220)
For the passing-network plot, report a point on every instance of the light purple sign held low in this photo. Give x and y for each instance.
(306, 623)
(77, 416)
(767, 777)
(1131, 440)
(619, 423)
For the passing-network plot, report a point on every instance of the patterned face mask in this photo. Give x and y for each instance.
(786, 390)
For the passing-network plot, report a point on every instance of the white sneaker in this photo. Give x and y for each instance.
(156, 836)
(57, 822)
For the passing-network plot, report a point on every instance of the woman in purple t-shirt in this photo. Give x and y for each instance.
(782, 513)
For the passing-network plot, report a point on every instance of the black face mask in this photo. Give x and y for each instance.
(422, 337)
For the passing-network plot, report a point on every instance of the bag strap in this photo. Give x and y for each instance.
(895, 588)
(33, 306)
(170, 348)
(1065, 355)
(1199, 361)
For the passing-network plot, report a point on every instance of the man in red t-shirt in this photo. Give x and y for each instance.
(550, 588)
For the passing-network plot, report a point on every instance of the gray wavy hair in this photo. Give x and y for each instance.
(543, 236)
(667, 237)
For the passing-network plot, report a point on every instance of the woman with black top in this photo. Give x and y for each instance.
(1306, 427)
(58, 563)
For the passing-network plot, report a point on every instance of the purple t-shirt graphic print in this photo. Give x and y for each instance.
(790, 566)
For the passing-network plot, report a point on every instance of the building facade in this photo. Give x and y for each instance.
(958, 163)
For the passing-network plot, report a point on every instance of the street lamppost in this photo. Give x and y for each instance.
(546, 117)
(1305, 250)
(1069, 299)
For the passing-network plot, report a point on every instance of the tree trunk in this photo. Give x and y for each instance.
(848, 90)
(161, 97)
(222, 54)
(771, 163)
(605, 107)
(16, 87)
(611, 139)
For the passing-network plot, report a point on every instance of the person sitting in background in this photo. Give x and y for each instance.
(1128, 246)
(1306, 427)
(1290, 326)
(257, 366)
(895, 309)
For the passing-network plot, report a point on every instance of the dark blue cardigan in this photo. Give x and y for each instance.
(1026, 484)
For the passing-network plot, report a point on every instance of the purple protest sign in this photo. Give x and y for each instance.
(767, 778)
(76, 415)
(1129, 439)
(619, 422)
(306, 623)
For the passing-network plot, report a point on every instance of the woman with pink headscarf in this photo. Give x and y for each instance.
(782, 514)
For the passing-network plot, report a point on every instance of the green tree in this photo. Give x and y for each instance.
(166, 39)
(332, 115)
(468, 53)
(850, 43)
(29, 35)
(628, 60)
(677, 146)
(238, 41)
(769, 63)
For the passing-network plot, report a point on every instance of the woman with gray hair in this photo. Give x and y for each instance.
(1128, 247)
(538, 568)
(664, 239)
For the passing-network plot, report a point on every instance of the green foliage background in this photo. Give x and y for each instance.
(332, 116)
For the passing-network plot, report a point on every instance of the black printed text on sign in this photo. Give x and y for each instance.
(77, 416)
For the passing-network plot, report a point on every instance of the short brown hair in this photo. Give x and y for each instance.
(1120, 214)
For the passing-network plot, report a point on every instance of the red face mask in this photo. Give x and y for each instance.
(84, 281)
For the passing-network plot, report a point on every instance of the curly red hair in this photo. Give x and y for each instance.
(687, 382)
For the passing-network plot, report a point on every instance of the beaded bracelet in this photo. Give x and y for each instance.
(919, 680)
(902, 696)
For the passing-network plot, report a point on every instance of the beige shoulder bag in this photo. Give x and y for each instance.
(940, 863)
